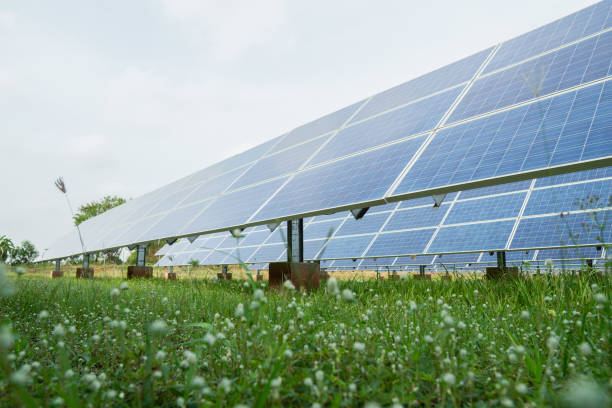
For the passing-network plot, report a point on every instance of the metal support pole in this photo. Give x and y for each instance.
(170, 269)
(57, 265)
(589, 263)
(141, 255)
(85, 262)
(295, 240)
(224, 270)
(422, 270)
(501, 259)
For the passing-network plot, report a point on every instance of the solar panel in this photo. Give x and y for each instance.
(535, 106)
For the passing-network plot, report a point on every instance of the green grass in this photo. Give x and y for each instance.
(528, 342)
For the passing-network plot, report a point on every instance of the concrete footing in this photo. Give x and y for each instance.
(170, 276)
(426, 276)
(134, 271)
(226, 276)
(84, 273)
(56, 274)
(494, 272)
(302, 275)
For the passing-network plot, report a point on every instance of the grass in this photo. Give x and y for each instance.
(530, 342)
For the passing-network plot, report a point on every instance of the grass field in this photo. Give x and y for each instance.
(107, 342)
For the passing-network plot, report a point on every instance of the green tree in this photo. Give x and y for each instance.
(94, 208)
(24, 254)
(6, 247)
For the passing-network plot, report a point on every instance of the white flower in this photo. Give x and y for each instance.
(319, 375)
(525, 315)
(114, 292)
(348, 295)
(259, 295)
(69, 373)
(6, 338)
(123, 286)
(226, 385)
(449, 378)
(507, 402)
(429, 339)
(190, 357)
(332, 286)
(43, 315)
(585, 393)
(21, 377)
(584, 349)
(57, 401)
(521, 388)
(548, 263)
(288, 285)
(210, 339)
(288, 353)
(276, 383)
(158, 328)
(254, 305)
(308, 382)
(413, 305)
(352, 387)
(160, 355)
(239, 310)
(357, 346)
(600, 298)
(552, 342)
(198, 382)
(59, 331)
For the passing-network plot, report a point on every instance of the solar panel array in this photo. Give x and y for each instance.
(536, 105)
(517, 217)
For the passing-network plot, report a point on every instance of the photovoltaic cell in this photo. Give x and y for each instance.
(435, 81)
(312, 247)
(581, 63)
(368, 224)
(569, 253)
(345, 247)
(482, 209)
(170, 224)
(213, 187)
(398, 124)
(565, 30)
(574, 177)
(472, 237)
(572, 229)
(354, 179)
(457, 258)
(566, 128)
(268, 253)
(570, 197)
(497, 189)
(321, 229)
(401, 243)
(417, 218)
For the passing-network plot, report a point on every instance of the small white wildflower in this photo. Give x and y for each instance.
(276, 383)
(548, 263)
(357, 346)
(254, 305)
(332, 286)
(69, 373)
(59, 331)
(449, 378)
(198, 382)
(6, 338)
(57, 401)
(288, 285)
(552, 342)
(521, 388)
(123, 286)
(507, 402)
(600, 298)
(585, 349)
(160, 355)
(180, 401)
(525, 315)
(288, 353)
(585, 393)
(429, 339)
(413, 305)
(114, 292)
(319, 375)
(308, 382)
(43, 315)
(259, 295)
(226, 385)
(348, 295)
(352, 387)
(21, 377)
(158, 328)
(190, 357)
(239, 310)
(210, 339)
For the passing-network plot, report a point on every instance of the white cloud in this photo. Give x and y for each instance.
(7, 21)
(231, 27)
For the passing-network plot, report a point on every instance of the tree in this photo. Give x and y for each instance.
(94, 208)
(6, 247)
(24, 254)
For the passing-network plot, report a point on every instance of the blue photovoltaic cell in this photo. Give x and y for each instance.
(234, 208)
(417, 218)
(232, 162)
(132, 234)
(419, 260)
(398, 124)
(201, 256)
(228, 242)
(268, 253)
(401, 243)
(457, 258)
(384, 261)
(569, 253)
(445, 77)
(279, 164)
(473, 237)
(368, 224)
(178, 246)
(327, 217)
(213, 242)
(278, 236)
(500, 188)
(380, 208)
(511, 256)
(163, 250)
(346, 263)
(213, 187)
(254, 238)
(571, 197)
(566, 128)
(565, 30)
(238, 255)
(317, 127)
(349, 247)
(170, 224)
(217, 256)
(321, 229)
(578, 64)
(311, 248)
(164, 204)
(572, 229)
(415, 202)
(482, 209)
(355, 179)
(574, 177)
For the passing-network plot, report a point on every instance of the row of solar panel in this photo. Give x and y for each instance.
(560, 129)
(484, 219)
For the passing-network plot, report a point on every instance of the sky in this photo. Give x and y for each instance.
(122, 97)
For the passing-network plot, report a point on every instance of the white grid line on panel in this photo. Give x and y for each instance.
(382, 227)
(435, 234)
(520, 214)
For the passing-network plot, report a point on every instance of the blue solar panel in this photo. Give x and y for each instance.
(472, 237)
(350, 263)
(345, 247)
(216, 257)
(279, 164)
(278, 236)
(569, 253)
(415, 202)
(574, 177)
(213, 187)
(268, 253)
(565, 30)
(238, 255)
(500, 188)
(234, 208)
(571, 197)
(492, 208)
(312, 247)
(511, 256)
(321, 229)
(368, 224)
(418, 260)
(398, 124)
(254, 238)
(317, 127)
(352, 180)
(551, 132)
(401, 243)
(445, 77)
(457, 258)
(380, 208)
(572, 229)
(417, 218)
(574, 65)
(171, 223)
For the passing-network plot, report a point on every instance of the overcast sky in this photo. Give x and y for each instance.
(121, 97)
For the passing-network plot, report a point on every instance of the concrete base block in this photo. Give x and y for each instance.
(493, 272)
(394, 277)
(227, 276)
(84, 273)
(302, 275)
(258, 278)
(139, 272)
(427, 276)
(56, 274)
(170, 276)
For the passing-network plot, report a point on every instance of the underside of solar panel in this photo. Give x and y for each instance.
(514, 143)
